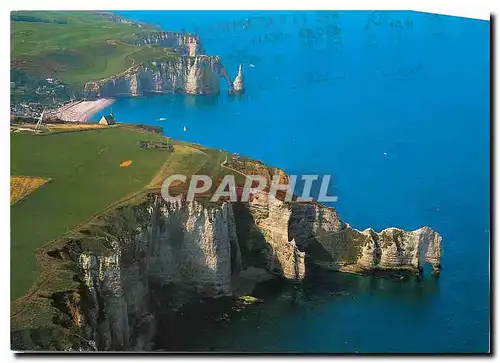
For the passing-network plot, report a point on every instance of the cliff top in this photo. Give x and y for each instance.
(50, 44)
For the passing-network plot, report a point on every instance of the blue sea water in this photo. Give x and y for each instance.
(395, 106)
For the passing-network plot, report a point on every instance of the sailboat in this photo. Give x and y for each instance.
(185, 129)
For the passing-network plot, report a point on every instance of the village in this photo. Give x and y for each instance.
(29, 95)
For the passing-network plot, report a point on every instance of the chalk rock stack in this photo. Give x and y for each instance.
(239, 83)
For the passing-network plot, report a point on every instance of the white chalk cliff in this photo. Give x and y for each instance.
(185, 70)
(191, 75)
(130, 256)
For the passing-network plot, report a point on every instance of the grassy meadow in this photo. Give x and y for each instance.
(85, 173)
(76, 46)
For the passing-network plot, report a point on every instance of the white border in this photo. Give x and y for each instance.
(477, 9)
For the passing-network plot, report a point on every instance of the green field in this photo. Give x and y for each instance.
(77, 46)
(85, 178)
(85, 186)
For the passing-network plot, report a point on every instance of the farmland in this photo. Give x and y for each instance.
(21, 186)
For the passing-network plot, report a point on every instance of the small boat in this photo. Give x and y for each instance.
(385, 154)
(162, 119)
(251, 65)
(185, 129)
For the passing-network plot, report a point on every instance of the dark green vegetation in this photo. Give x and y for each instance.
(76, 46)
(34, 89)
(34, 19)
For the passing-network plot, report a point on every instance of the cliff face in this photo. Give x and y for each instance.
(263, 226)
(294, 235)
(187, 70)
(150, 247)
(140, 259)
(183, 43)
(191, 75)
(332, 244)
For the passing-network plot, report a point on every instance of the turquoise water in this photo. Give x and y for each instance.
(395, 106)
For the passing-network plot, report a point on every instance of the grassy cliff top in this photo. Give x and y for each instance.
(77, 46)
(87, 171)
(85, 176)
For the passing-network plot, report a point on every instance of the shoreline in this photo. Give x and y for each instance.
(81, 111)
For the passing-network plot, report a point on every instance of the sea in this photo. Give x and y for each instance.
(395, 106)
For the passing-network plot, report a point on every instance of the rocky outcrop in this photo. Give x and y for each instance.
(182, 43)
(191, 75)
(333, 244)
(293, 235)
(239, 83)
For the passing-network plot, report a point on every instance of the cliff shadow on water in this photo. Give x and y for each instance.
(225, 324)
(203, 101)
